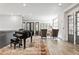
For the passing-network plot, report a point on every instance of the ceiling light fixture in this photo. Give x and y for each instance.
(24, 4)
(60, 4)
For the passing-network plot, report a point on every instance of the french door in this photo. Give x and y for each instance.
(70, 29)
(77, 27)
(37, 28)
(30, 26)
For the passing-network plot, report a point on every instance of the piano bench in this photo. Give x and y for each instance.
(14, 41)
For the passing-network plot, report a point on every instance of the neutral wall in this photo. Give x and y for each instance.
(61, 25)
(10, 22)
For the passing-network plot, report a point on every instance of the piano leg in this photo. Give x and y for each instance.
(20, 42)
(24, 43)
(14, 45)
(31, 39)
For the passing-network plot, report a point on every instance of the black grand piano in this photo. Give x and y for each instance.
(23, 35)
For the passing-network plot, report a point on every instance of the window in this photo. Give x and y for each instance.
(44, 25)
(55, 23)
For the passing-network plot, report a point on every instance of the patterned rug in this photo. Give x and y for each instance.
(37, 47)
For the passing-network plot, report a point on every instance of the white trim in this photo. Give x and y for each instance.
(74, 30)
(70, 7)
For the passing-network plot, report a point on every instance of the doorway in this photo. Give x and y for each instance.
(30, 26)
(70, 29)
(77, 27)
(33, 26)
(36, 28)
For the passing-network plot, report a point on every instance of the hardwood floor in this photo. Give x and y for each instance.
(45, 46)
(59, 47)
(37, 47)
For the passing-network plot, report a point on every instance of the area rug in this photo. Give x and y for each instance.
(37, 47)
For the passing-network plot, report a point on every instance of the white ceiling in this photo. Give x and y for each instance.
(39, 10)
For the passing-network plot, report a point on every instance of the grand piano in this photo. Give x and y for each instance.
(23, 35)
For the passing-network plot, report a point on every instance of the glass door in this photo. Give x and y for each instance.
(30, 26)
(37, 28)
(77, 27)
(70, 29)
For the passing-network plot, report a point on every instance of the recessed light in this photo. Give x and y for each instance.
(24, 4)
(60, 4)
